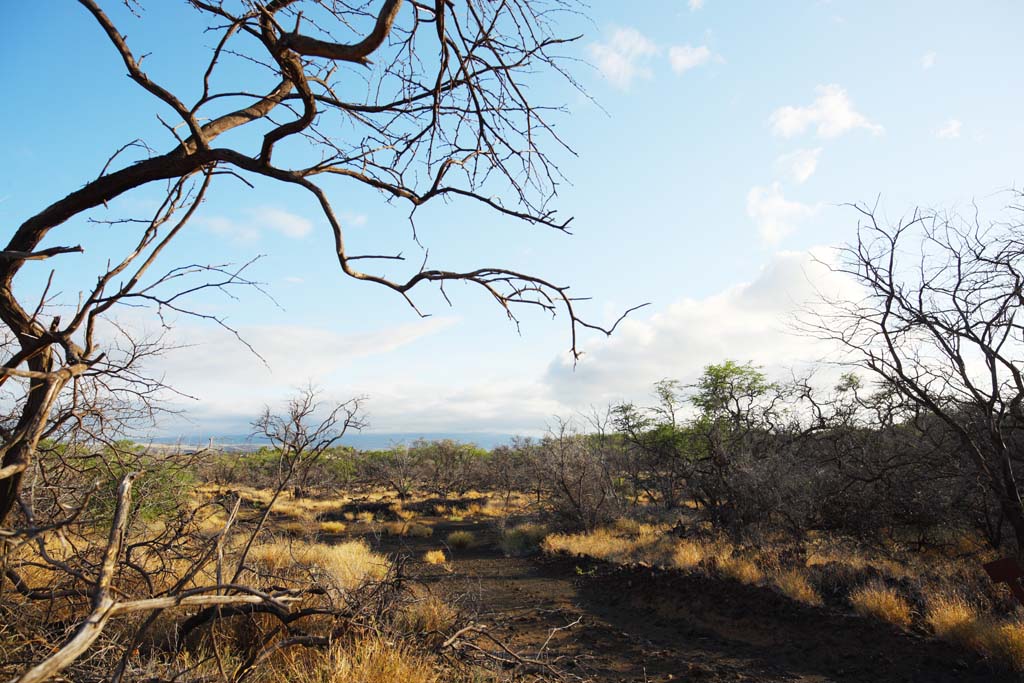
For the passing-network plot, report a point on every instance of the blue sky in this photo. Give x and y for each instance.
(724, 138)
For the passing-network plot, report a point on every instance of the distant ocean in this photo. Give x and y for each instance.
(362, 441)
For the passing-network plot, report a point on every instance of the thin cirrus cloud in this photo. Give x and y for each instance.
(624, 56)
(831, 114)
(627, 55)
(799, 165)
(696, 5)
(256, 222)
(775, 216)
(686, 57)
(950, 130)
(928, 59)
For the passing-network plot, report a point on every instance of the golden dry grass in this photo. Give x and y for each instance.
(367, 660)
(426, 613)
(600, 543)
(742, 569)
(461, 539)
(333, 527)
(795, 586)
(434, 557)
(1006, 641)
(687, 555)
(343, 565)
(407, 529)
(881, 602)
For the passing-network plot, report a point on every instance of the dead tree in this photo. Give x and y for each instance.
(937, 317)
(443, 113)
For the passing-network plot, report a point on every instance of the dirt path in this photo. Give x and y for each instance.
(639, 624)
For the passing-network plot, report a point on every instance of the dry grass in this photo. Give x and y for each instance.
(407, 529)
(795, 586)
(365, 516)
(881, 602)
(1006, 641)
(333, 527)
(601, 544)
(522, 539)
(344, 565)
(742, 569)
(953, 618)
(461, 539)
(301, 528)
(367, 660)
(687, 555)
(434, 557)
(425, 614)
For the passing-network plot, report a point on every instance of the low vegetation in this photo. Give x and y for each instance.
(460, 540)
(435, 557)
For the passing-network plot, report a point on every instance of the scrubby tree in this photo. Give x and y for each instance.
(938, 318)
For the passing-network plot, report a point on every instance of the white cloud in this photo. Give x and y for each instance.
(745, 322)
(831, 113)
(232, 384)
(775, 216)
(928, 59)
(225, 227)
(279, 220)
(621, 59)
(950, 130)
(799, 165)
(686, 57)
(356, 219)
(258, 220)
(696, 5)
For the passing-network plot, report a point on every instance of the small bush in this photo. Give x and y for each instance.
(795, 586)
(523, 539)
(461, 539)
(881, 602)
(434, 557)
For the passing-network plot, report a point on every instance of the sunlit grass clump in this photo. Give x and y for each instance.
(881, 602)
(742, 569)
(795, 586)
(369, 659)
(343, 565)
(600, 544)
(687, 555)
(332, 527)
(434, 557)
